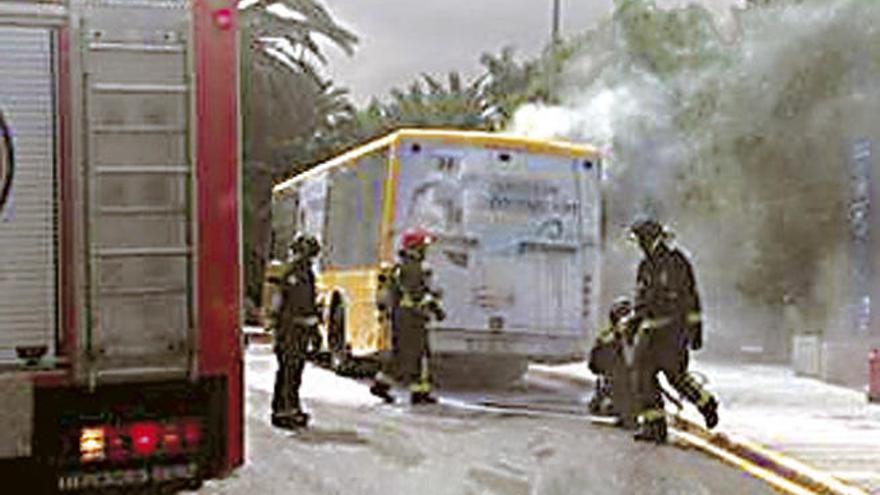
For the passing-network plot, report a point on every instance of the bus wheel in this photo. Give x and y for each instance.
(336, 331)
(474, 371)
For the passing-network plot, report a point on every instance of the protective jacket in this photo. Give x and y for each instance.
(667, 298)
(295, 331)
(667, 309)
(408, 300)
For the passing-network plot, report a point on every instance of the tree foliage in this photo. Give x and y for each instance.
(284, 98)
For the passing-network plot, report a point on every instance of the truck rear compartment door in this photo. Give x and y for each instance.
(27, 219)
(139, 167)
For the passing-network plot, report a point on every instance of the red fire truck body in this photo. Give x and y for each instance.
(120, 348)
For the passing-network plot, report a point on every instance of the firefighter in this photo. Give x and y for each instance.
(668, 321)
(611, 360)
(296, 331)
(410, 302)
(387, 302)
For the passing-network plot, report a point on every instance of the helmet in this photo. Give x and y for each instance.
(304, 246)
(647, 229)
(621, 307)
(415, 238)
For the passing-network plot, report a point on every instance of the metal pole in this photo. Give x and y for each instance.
(556, 13)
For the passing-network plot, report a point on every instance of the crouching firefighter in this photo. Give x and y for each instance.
(667, 316)
(296, 332)
(409, 301)
(611, 359)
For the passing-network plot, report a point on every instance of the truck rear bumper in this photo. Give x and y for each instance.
(539, 347)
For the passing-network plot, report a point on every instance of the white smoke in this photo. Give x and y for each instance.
(738, 141)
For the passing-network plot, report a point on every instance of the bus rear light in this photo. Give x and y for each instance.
(91, 444)
(144, 438)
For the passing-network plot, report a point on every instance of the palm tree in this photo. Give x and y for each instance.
(509, 84)
(284, 98)
(427, 102)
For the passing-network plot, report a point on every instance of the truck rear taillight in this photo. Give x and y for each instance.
(192, 432)
(144, 438)
(118, 444)
(172, 443)
(91, 444)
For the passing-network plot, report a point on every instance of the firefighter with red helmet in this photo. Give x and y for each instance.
(296, 331)
(668, 321)
(410, 302)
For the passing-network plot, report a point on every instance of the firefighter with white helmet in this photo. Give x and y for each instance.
(410, 303)
(668, 322)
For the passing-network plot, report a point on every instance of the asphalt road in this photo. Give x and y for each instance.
(358, 446)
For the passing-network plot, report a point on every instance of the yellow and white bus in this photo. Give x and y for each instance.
(517, 226)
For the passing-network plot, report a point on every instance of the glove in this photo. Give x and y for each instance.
(433, 306)
(314, 341)
(696, 337)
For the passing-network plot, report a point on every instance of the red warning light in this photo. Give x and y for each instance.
(223, 18)
(144, 438)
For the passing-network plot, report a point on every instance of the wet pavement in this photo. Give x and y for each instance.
(831, 430)
(358, 445)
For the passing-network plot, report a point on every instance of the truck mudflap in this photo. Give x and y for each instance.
(124, 438)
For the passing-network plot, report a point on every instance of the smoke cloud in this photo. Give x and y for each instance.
(741, 144)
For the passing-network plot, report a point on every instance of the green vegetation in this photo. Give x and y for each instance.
(295, 119)
(741, 144)
(284, 99)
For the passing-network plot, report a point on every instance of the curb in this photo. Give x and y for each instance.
(783, 473)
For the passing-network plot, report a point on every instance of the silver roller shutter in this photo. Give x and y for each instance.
(27, 222)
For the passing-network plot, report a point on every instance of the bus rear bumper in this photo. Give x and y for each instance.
(537, 347)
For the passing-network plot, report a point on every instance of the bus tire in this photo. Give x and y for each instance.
(474, 371)
(336, 324)
(336, 332)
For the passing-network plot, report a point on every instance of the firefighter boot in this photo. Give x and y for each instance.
(418, 398)
(709, 410)
(420, 390)
(383, 391)
(651, 429)
(290, 420)
(595, 405)
(279, 420)
(298, 419)
(601, 404)
(282, 420)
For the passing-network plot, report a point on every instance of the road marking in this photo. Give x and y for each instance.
(811, 481)
(828, 480)
(763, 474)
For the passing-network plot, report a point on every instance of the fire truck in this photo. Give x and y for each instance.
(120, 348)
